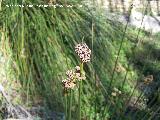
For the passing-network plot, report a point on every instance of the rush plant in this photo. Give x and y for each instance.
(75, 77)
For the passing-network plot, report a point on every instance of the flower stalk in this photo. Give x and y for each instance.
(70, 105)
(80, 92)
(66, 106)
(75, 76)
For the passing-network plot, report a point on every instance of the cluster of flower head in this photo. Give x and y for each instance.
(77, 75)
(72, 77)
(83, 52)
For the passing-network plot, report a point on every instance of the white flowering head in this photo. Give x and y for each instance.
(72, 77)
(79, 76)
(83, 52)
(68, 84)
(70, 74)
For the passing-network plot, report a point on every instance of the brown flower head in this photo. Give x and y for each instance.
(83, 52)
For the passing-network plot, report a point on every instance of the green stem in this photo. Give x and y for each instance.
(66, 105)
(80, 91)
(70, 105)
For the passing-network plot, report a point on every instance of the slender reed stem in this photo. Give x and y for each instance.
(80, 91)
(151, 109)
(153, 114)
(70, 105)
(66, 106)
(133, 52)
(94, 92)
(119, 50)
